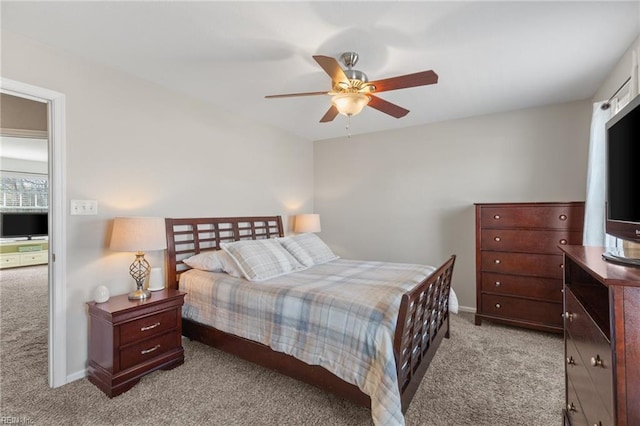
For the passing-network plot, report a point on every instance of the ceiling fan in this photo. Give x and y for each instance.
(351, 89)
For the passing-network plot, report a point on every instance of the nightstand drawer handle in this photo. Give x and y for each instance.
(563, 241)
(498, 283)
(498, 306)
(146, 351)
(497, 261)
(497, 239)
(150, 327)
(496, 217)
(562, 217)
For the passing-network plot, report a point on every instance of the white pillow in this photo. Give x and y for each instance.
(260, 260)
(206, 261)
(214, 261)
(308, 248)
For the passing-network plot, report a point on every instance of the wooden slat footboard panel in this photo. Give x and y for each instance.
(423, 320)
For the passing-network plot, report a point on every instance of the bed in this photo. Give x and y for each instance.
(422, 319)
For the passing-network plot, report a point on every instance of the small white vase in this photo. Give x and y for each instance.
(101, 294)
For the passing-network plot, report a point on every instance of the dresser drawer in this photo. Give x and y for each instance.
(539, 216)
(528, 241)
(515, 285)
(535, 265)
(148, 349)
(593, 347)
(574, 408)
(149, 326)
(547, 313)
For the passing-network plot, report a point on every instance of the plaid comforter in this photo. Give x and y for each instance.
(340, 315)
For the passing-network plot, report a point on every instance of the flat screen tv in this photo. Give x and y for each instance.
(24, 225)
(623, 180)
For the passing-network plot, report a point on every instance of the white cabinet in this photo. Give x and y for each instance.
(23, 253)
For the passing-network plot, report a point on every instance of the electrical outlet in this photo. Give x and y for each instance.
(84, 207)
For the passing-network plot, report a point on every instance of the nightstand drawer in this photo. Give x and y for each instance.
(148, 349)
(149, 326)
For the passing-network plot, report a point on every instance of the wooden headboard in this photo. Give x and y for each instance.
(189, 236)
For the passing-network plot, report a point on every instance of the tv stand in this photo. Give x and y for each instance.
(627, 257)
(602, 339)
(14, 254)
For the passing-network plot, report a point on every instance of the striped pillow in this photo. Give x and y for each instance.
(308, 249)
(259, 260)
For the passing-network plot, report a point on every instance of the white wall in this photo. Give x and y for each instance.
(142, 150)
(408, 195)
(618, 75)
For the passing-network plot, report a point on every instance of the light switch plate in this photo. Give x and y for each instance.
(84, 207)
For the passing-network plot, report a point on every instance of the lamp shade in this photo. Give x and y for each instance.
(138, 234)
(307, 223)
(350, 103)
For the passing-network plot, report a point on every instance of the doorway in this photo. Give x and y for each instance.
(55, 134)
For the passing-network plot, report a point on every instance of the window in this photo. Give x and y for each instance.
(24, 192)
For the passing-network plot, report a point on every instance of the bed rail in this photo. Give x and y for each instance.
(423, 320)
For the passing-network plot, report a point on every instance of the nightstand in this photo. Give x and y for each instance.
(131, 338)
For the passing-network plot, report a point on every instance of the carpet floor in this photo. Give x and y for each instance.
(489, 375)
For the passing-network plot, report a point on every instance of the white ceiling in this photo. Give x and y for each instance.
(490, 56)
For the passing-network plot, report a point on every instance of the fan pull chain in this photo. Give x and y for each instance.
(348, 126)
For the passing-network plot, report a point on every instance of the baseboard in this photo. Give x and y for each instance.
(77, 376)
(467, 309)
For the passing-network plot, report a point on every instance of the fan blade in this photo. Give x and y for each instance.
(291, 95)
(422, 78)
(332, 67)
(387, 107)
(330, 114)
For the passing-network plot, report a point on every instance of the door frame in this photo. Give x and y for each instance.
(57, 340)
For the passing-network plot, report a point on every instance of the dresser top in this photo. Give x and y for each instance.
(608, 273)
(530, 203)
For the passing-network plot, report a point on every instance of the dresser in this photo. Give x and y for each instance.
(518, 262)
(602, 340)
(131, 338)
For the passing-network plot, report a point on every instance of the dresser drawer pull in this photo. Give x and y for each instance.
(561, 266)
(150, 327)
(498, 306)
(562, 217)
(563, 242)
(496, 216)
(571, 407)
(146, 351)
(497, 239)
(497, 261)
(596, 361)
(568, 315)
(571, 361)
(498, 283)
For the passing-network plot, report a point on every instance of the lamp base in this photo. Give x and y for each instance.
(139, 294)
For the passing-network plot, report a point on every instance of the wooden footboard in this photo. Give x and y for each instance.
(423, 318)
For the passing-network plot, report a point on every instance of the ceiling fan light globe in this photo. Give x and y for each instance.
(350, 103)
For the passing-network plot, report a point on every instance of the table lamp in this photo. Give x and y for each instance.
(307, 223)
(139, 234)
